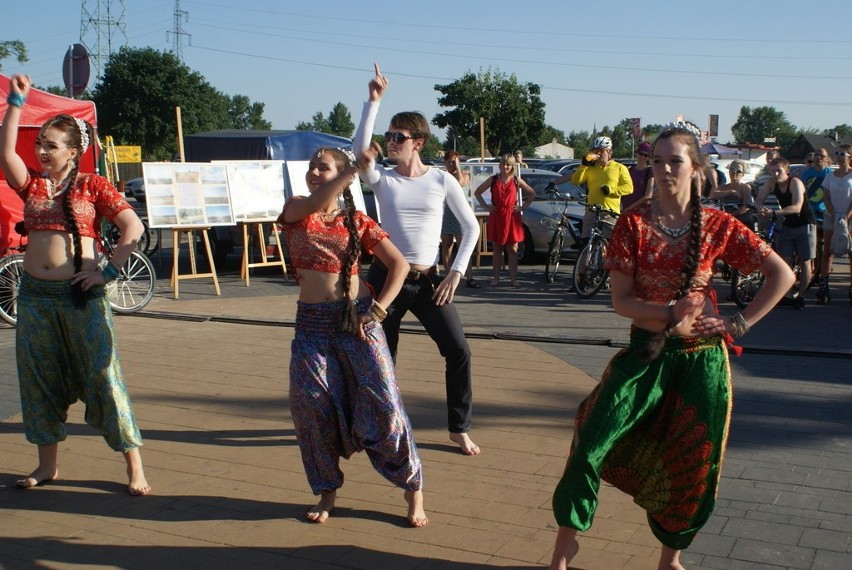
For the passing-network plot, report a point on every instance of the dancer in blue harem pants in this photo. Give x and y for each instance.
(344, 398)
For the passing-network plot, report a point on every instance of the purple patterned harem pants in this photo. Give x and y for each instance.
(344, 398)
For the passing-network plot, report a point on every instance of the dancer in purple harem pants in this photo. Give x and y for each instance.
(343, 392)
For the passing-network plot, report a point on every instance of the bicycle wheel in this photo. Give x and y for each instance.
(155, 237)
(554, 255)
(144, 243)
(591, 258)
(134, 286)
(745, 287)
(11, 271)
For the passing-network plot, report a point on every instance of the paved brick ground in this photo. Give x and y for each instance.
(209, 374)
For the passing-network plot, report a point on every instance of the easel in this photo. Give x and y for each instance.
(265, 260)
(482, 247)
(189, 232)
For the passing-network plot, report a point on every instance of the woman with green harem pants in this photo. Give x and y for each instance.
(66, 345)
(656, 425)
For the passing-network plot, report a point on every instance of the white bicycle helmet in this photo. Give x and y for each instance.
(602, 142)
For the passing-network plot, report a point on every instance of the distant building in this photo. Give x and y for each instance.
(809, 143)
(554, 150)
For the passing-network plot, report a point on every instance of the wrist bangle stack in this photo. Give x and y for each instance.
(739, 325)
(16, 100)
(377, 312)
(109, 272)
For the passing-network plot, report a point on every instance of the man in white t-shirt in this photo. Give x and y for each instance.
(411, 198)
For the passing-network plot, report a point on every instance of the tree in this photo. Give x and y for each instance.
(550, 134)
(464, 145)
(339, 122)
(755, 125)
(247, 115)
(513, 112)
(581, 142)
(13, 47)
(843, 130)
(318, 123)
(138, 93)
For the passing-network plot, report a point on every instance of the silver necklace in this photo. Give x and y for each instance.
(673, 232)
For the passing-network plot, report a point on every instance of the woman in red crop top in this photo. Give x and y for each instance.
(65, 337)
(656, 425)
(343, 392)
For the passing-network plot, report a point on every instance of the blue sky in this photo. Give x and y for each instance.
(597, 62)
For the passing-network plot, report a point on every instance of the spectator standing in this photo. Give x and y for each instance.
(412, 198)
(451, 228)
(642, 178)
(814, 180)
(837, 202)
(505, 225)
(519, 159)
(797, 236)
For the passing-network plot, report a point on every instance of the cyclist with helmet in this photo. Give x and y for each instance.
(607, 181)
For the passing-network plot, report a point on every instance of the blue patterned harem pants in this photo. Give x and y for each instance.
(65, 354)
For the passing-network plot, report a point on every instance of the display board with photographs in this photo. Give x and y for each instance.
(187, 194)
(479, 173)
(258, 189)
(297, 186)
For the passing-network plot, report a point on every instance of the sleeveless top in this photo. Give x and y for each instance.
(803, 218)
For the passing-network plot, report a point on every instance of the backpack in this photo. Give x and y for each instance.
(841, 244)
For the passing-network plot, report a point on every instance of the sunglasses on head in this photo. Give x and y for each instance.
(820, 156)
(736, 172)
(398, 138)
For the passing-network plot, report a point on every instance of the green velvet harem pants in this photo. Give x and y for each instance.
(657, 431)
(65, 354)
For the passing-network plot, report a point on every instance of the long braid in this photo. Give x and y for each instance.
(349, 316)
(654, 347)
(77, 294)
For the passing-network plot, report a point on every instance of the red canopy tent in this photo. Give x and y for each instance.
(40, 107)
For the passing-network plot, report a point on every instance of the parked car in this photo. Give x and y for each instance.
(135, 188)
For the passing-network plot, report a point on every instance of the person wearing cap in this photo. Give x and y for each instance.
(642, 178)
(607, 181)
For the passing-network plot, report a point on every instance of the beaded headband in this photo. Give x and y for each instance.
(84, 133)
(696, 132)
(349, 154)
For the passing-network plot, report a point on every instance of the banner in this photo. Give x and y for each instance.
(713, 129)
(637, 128)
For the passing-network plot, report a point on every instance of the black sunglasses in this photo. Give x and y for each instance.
(398, 138)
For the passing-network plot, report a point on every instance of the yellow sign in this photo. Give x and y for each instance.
(125, 154)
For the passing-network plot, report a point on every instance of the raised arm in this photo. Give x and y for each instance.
(12, 164)
(364, 135)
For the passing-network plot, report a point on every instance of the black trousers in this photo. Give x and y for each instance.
(444, 326)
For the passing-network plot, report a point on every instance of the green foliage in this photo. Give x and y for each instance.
(550, 134)
(13, 47)
(318, 123)
(339, 122)
(843, 130)
(754, 125)
(432, 148)
(513, 112)
(464, 145)
(138, 94)
(581, 142)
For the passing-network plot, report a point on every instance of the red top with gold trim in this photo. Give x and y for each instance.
(656, 265)
(318, 243)
(92, 198)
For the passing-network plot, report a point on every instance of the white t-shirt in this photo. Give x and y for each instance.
(413, 208)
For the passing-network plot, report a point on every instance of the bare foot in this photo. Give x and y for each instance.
(38, 477)
(416, 514)
(137, 485)
(467, 446)
(321, 512)
(565, 549)
(669, 559)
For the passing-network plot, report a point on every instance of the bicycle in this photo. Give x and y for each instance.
(559, 223)
(149, 241)
(128, 293)
(590, 275)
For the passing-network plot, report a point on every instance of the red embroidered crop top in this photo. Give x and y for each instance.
(655, 265)
(319, 244)
(92, 198)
